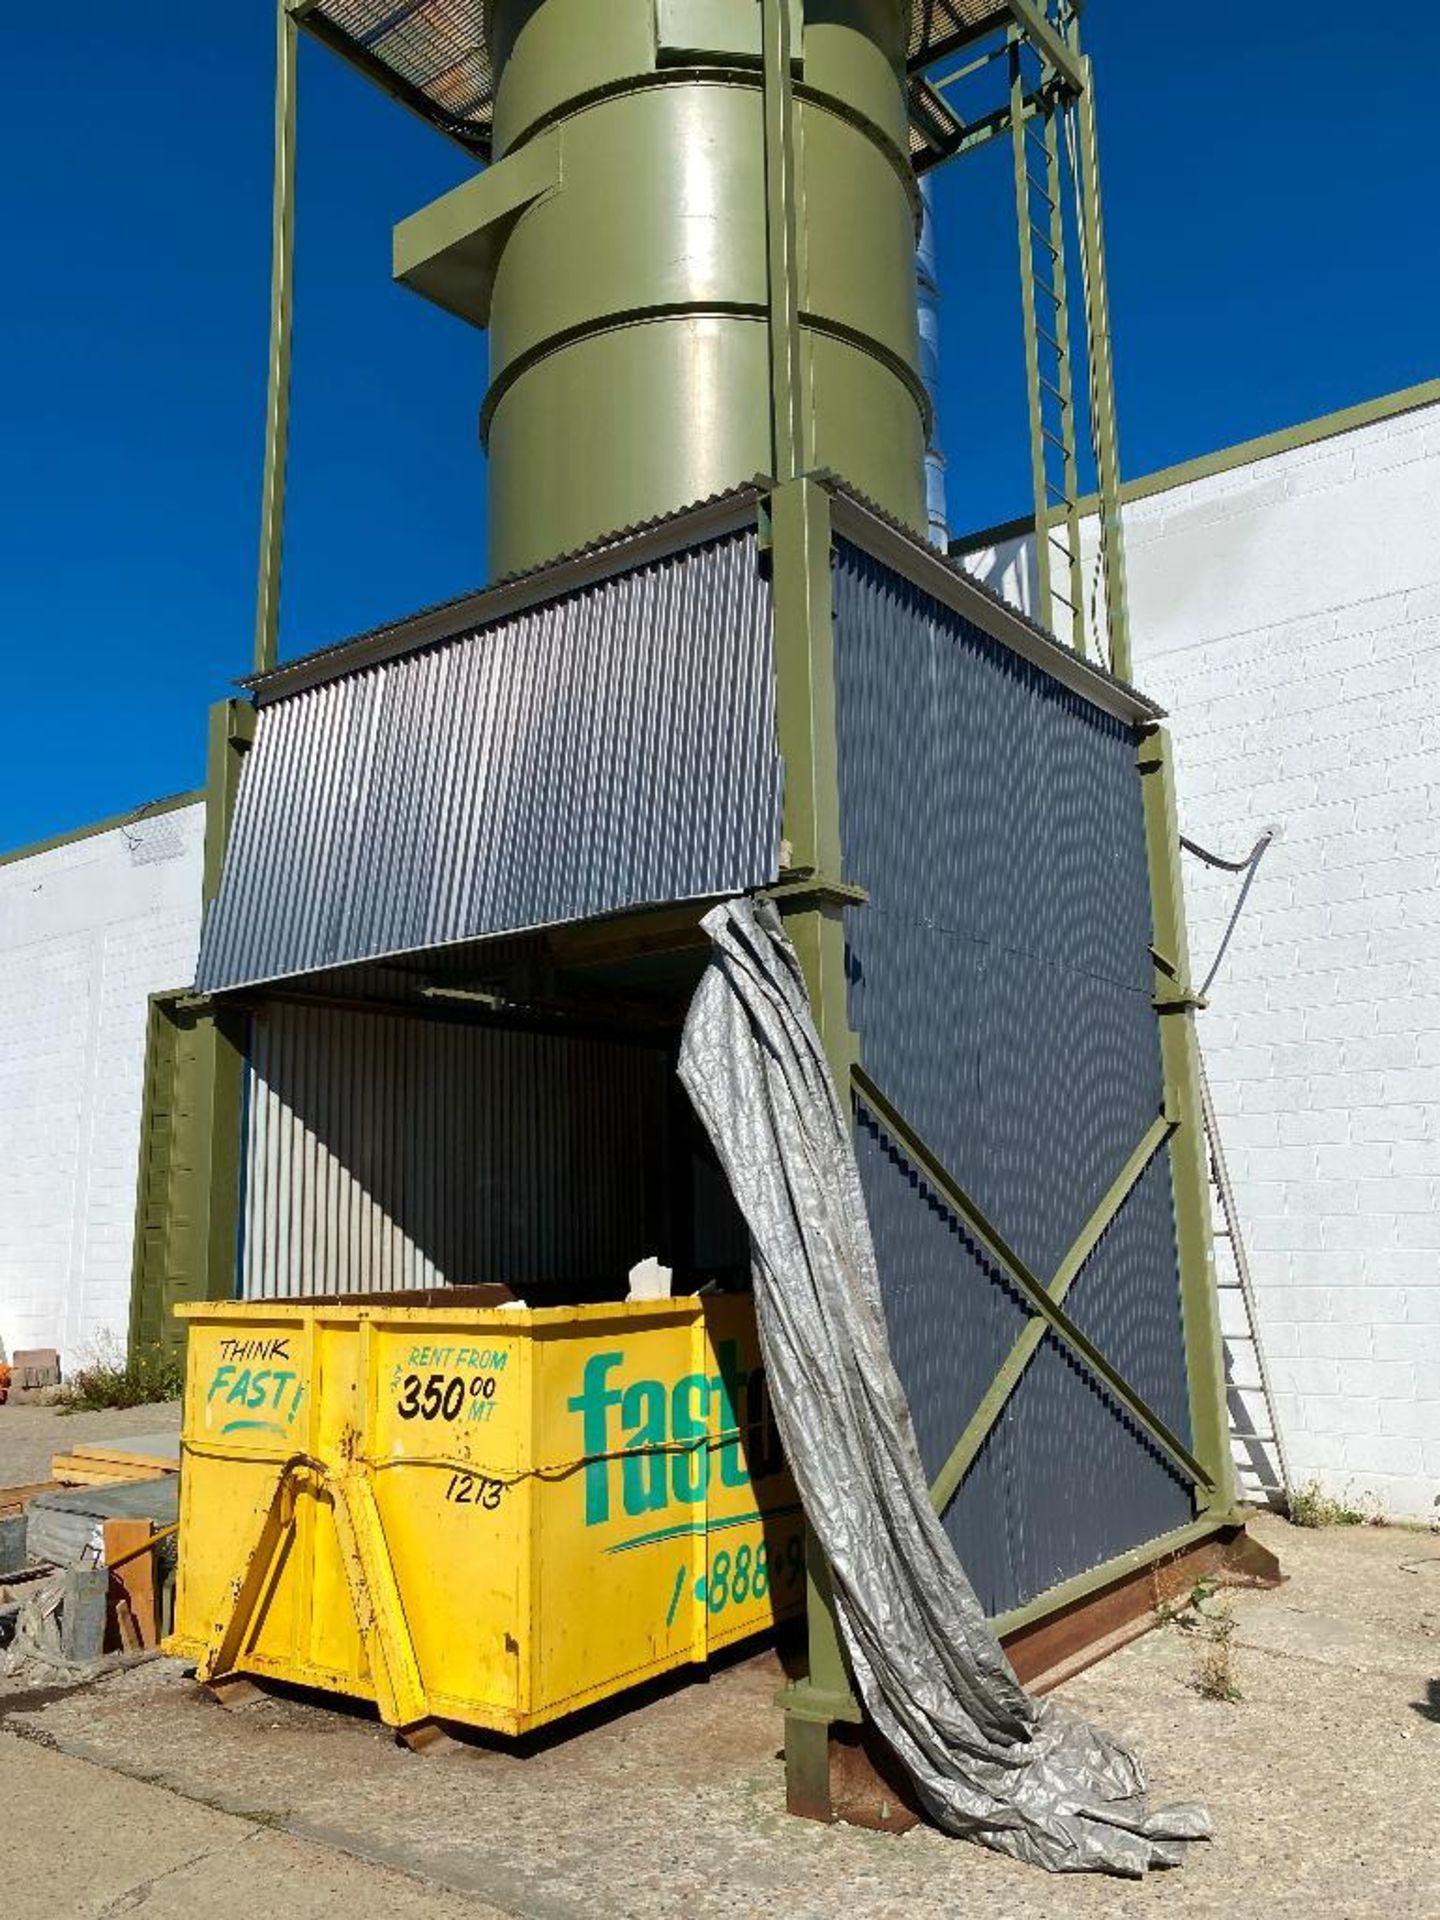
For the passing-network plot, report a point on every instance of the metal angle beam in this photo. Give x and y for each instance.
(993, 1403)
(1057, 1320)
(282, 285)
(1031, 21)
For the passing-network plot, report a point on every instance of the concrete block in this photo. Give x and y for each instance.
(82, 1614)
(1411, 1419)
(1302, 1128)
(1384, 1380)
(1418, 1344)
(12, 1543)
(1381, 1454)
(1394, 1120)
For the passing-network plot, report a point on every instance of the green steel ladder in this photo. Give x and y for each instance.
(1044, 291)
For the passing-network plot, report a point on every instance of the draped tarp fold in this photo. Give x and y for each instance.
(988, 1761)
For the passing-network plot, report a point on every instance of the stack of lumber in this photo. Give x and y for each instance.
(67, 1529)
(103, 1463)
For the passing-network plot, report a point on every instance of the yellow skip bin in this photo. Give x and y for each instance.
(487, 1516)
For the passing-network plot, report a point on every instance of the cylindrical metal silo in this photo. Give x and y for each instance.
(628, 274)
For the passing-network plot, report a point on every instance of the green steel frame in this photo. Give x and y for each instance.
(187, 1205)
(1059, 108)
(1049, 115)
(282, 292)
(814, 892)
(1053, 120)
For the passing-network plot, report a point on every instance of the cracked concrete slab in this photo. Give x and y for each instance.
(81, 1843)
(1322, 1779)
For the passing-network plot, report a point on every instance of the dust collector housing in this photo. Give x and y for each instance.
(620, 251)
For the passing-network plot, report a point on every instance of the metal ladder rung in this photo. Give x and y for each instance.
(1229, 1229)
(1050, 340)
(1035, 187)
(1045, 241)
(1063, 445)
(1050, 387)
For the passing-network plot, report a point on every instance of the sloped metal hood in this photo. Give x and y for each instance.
(599, 749)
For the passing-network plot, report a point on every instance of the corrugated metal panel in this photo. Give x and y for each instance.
(613, 748)
(1000, 985)
(385, 1153)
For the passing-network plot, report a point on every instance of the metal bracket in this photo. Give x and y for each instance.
(1182, 1000)
(821, 1705)
(814, 890)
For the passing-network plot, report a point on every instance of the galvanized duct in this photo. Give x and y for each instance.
(611, 748)
(385, 1152)
(1000, 986)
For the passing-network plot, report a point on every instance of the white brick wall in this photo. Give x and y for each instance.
(1287, 613)
(88, 931)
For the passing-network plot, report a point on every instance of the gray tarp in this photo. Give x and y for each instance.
(988, 1762)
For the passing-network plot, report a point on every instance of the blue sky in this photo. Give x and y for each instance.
(1269, 186)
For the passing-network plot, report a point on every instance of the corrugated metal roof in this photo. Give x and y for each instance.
(611, 748)
(859, 519)
(614, 553)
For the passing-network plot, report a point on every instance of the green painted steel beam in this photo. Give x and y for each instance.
(1058, 1321)
(1199, 1306)
(1044, 609)
(1065, 387)
(232, 728)
(992, 1405)
(812, 898)
(1048, 43)
(1102, 382)
(1095, 1579)
(782, 240)
(277, 400)
(800, 568)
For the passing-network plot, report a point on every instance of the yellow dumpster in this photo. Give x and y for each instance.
(487, 1516)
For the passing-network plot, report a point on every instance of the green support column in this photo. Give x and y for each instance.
(812, 897)
(187, 1213)
(1204, 1347)
(221, 1032)
(282, 283)
(782, 237)
(232, 728)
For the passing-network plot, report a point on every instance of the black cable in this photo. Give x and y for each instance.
(1249, 866)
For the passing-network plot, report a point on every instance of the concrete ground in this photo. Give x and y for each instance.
(77, 1840)
(1323, 1781)
(30, 1437)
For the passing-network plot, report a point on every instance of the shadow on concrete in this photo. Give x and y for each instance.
(1429, 1707)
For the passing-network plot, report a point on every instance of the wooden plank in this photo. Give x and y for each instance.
(133, 1455)
(133, 1580)
(21, 1496)
(96, 1473)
